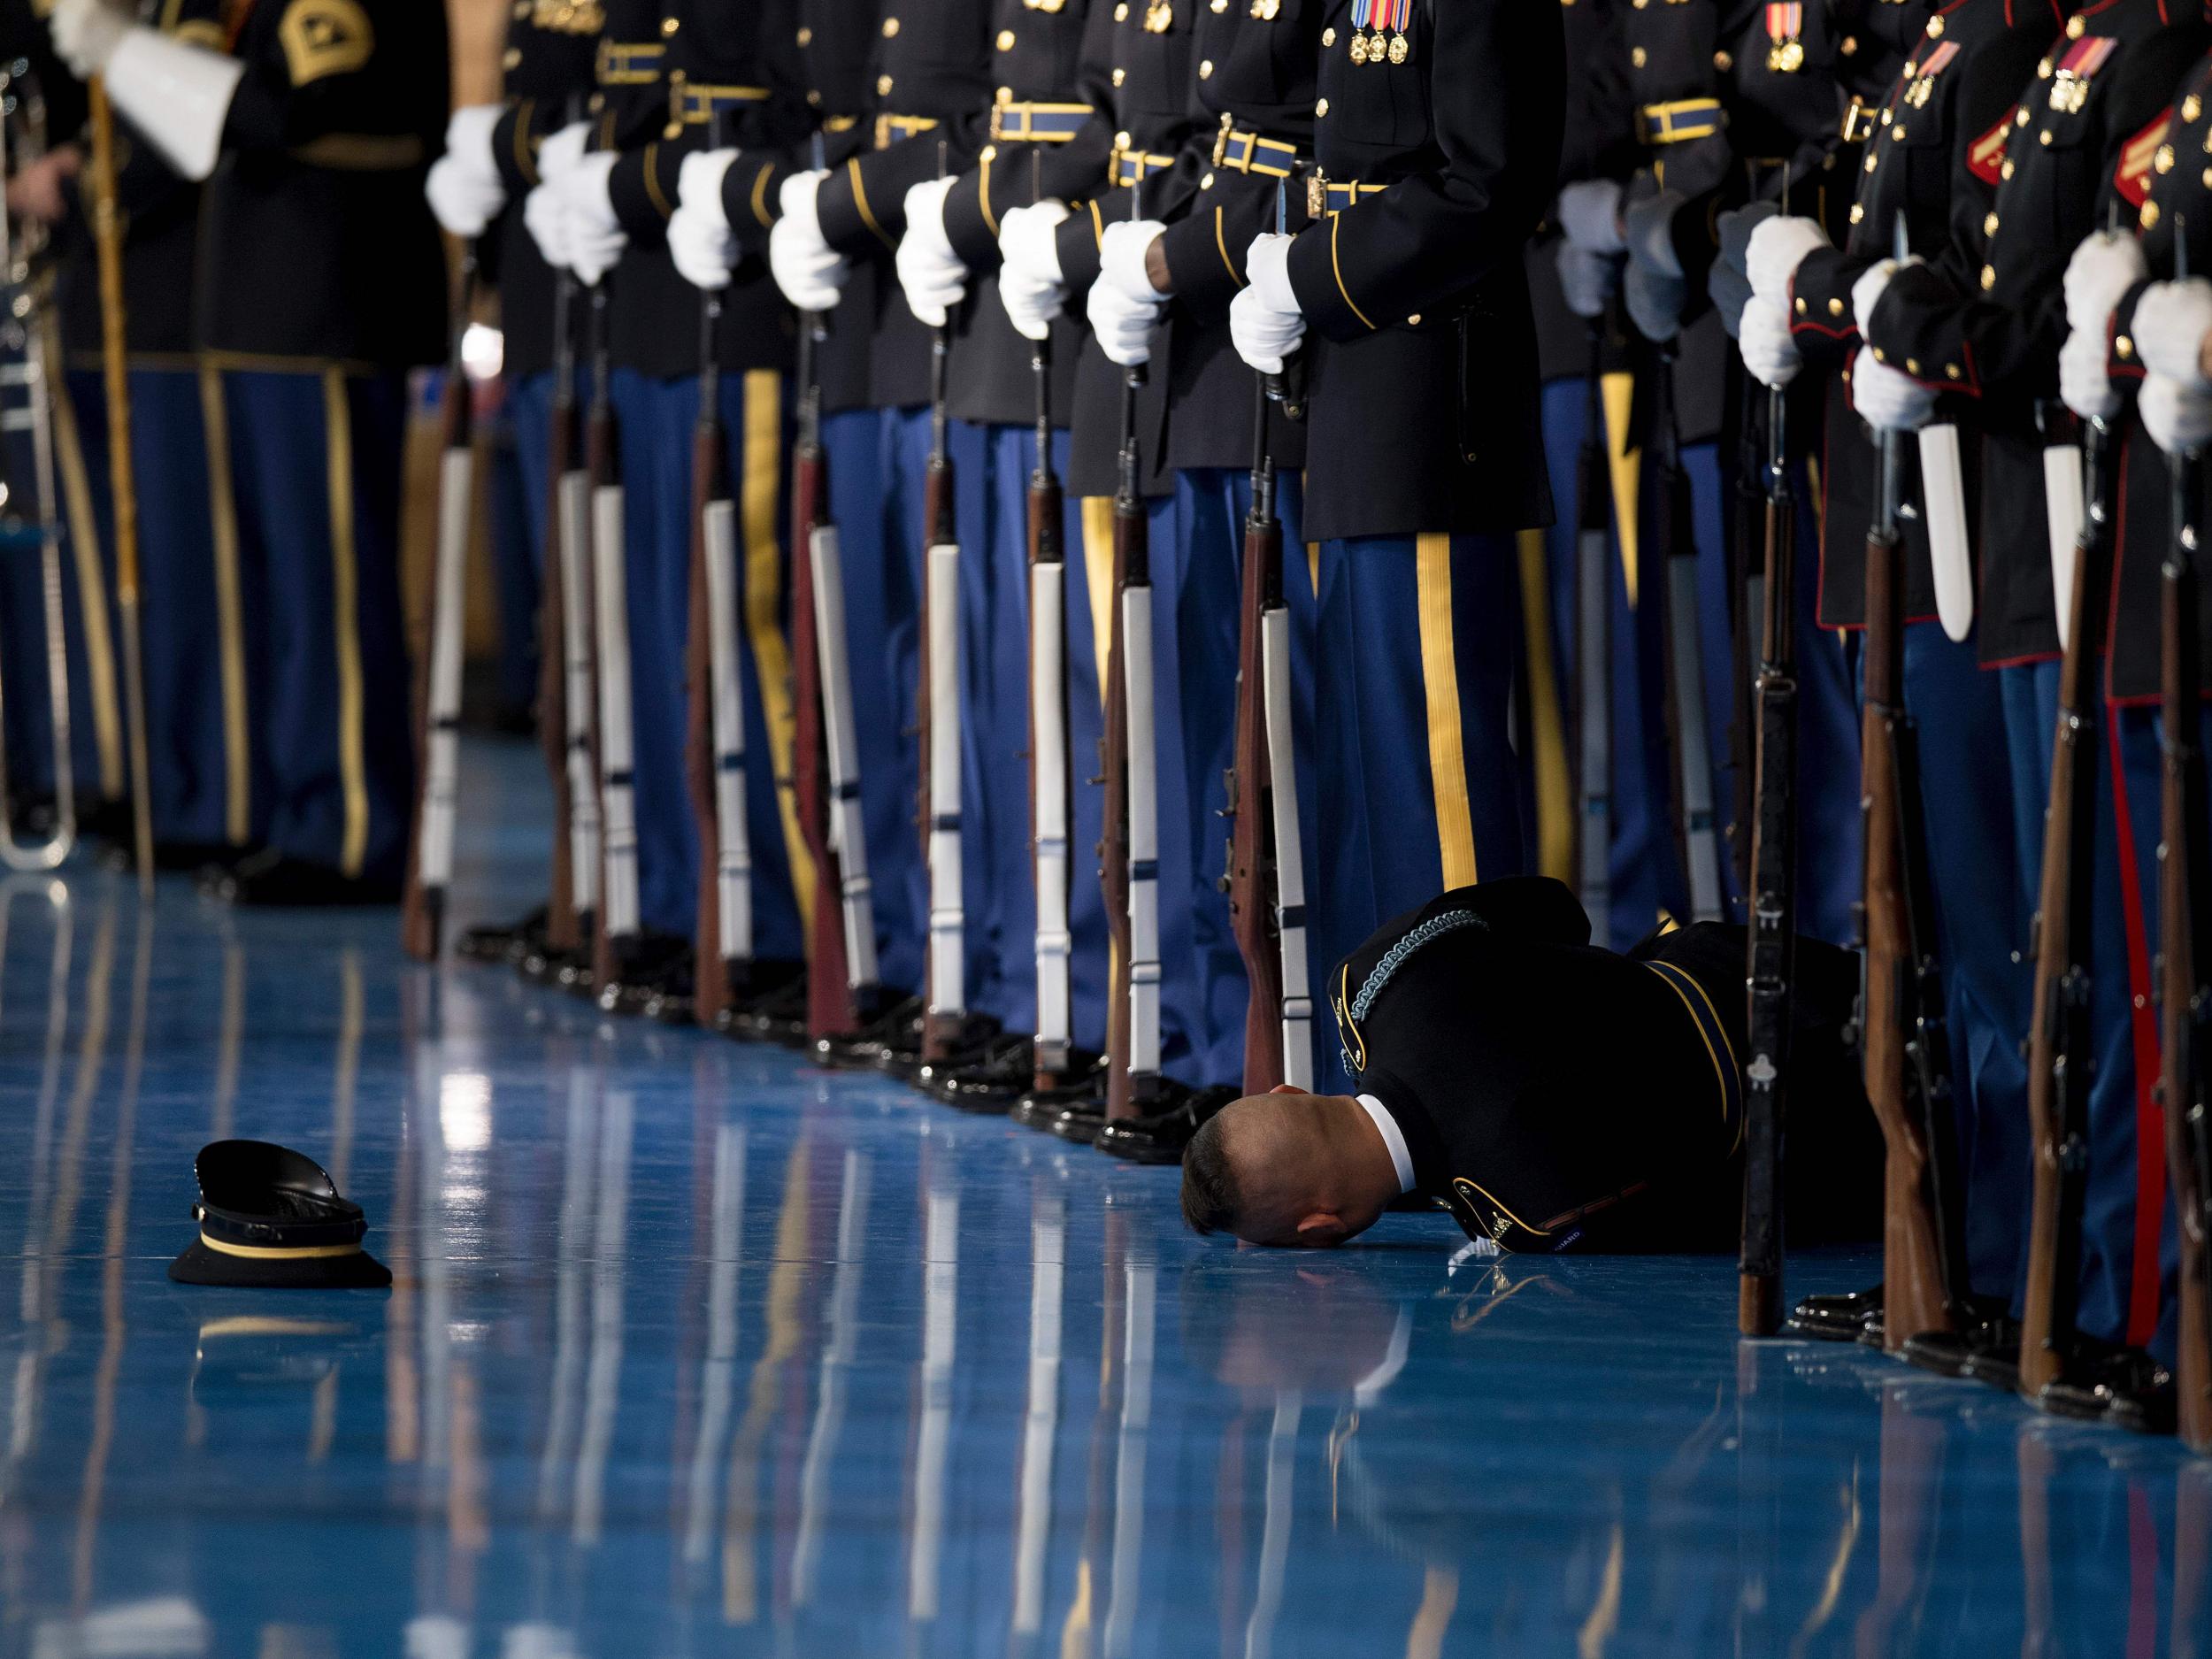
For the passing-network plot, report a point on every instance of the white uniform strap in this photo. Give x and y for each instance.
(849, 829)
(1048, 713)
(441, 713)
(947, 972)
(1290, 865)
(733, 847)
(2065, 509)
(617, 759)
(578, 690)
(1943, 504)
(1144, 832)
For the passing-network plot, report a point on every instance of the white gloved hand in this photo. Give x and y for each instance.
(1030, 282)
(595, 236)
(1589, 213)
(1887, 399)
(1867, 292)
(808, 270)
(932, 275)
(1769, 355)
(463, 188)
(699, 240)
(1587, 280)
(1124, 304)
(561, 151)
(1654, 286)
(547, 221)
(2177, 418)
(1264, 321)
(2107, 264)
(2083, 384)
(1778, 247)
(2172, 321)
(86, 33)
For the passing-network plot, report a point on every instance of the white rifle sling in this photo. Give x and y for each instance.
(576, 634)
(1290, 865)
(1702, 839)
(948, 987)
(849, 831)
(1943, 502)
(733, 849)
(2065, 508)
(1144, 834)
(1048, 713)
(617, 782)
(1592, 654)
(442, 712)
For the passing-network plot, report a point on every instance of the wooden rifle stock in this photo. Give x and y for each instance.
(1773, 906)
(2186, 952)
(2060, 1039)
(712, 991)
(561, 932)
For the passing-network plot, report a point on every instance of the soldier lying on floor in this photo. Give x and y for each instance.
(1550, 1094)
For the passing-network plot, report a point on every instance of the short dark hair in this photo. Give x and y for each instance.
(1211, 1202)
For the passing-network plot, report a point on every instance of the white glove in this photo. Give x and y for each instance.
(2171, 320)
(934, 279)
(2107, 264)
(1867, 292)
(547, 221)
(1654, 286)
(2177, 418)
(2083, 384)
(1124, 304)
(86, 33)
(1589, 213)
(595, 236)
(1888, 399)
(1587, 280)
(1030, 283)
(808, 270)
(1778, 247)
(465, 189)
(699, 239)
(1770, 356)
(1264, 321)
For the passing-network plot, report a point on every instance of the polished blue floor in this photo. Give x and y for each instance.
(694, 1350)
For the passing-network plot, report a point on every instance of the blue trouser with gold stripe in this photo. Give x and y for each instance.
(191, 626)
(655, 420)
(315, 485)
(1420, 789)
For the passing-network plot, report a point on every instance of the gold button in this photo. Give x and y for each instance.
(1006, 39)
(1328, 37)
(1989, 225)
(1414, 321)
(1878, 355)
(2207, 178)
(1935, 28)
(674, 131)
(2149, 216)
(512, 57)
(2123, 347)
(2075, 27)
(1912, 365)
(1321, 108)
(1989, 277)
(988, 153)
(1835, 308)
(890, 28)
(1121, 13)
(883, 86)
(813, 97)
(1121, 139)
(1848, 46)
(2164, 161)
(806, 37)
(1801, 306)
(1950, 371)
(1858, 212)
(2189, 108)
(2019, 118)
(1206, 183)
(2043, 70)
(1006, 95)
(1869, 163)
(2005, 172)
(1206, 70)
(668, 26)
(1120, 75)
(1898, 131)
(1912, 68)
(1723, 62)
(1637, 57)
(2044, 137)
(598, 102)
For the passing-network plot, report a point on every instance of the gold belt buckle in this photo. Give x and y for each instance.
(1858, 122)
(1316, 194)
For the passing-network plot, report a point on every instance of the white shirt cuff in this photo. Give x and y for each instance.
(1401, 1160)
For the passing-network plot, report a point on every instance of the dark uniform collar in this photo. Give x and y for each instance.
(1431, 1174)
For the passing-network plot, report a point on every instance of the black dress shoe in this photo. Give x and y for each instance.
(969, 1043)
(773, 1008)
(650, 971)
(1839, 1317)
(1075, 1111)
(503, 941)
(272, 880)
(1991, 1334)
(900, 1026)
(1160, 1138)
(1008, 1076)
(2121, 1386)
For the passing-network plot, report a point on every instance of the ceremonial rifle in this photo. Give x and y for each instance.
(1267, 880)
(1593, 650)
(438, 686)
(1129, 872)
(566, 691)
(843, 986)
(2061, 1038)
(1772, 946)
(617, 932)
(1903, 1022)
(1748, 586)
(1049, 781)
(715, 734)
(2185, 915)
(946, 1016)
(1696, 830)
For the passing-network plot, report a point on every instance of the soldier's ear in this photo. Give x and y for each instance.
(1323, 1228)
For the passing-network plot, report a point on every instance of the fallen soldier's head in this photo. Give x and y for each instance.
(1288, 1168)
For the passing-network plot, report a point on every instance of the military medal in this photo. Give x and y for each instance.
(2069, 86)
(1362, 13)
(1786, 53)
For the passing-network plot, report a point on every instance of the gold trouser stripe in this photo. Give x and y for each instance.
(1554, 799)
(1618, 390)
(230, 626)
(345, 593)
(279, 1253)
(1440, 678)
(84, 543)
(762, 489)
(1098, 574)
(1313, 568)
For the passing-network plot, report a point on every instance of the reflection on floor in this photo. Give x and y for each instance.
(694, 1350)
